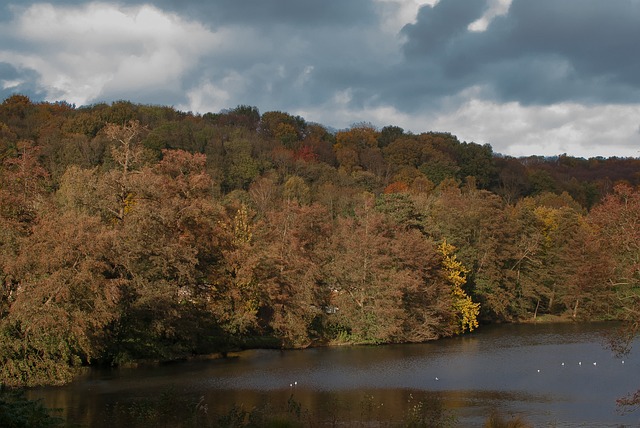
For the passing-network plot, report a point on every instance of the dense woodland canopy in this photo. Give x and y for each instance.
(135, 232)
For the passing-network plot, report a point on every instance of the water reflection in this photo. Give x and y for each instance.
(515, 369)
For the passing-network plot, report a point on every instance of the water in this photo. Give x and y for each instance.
(515, 369)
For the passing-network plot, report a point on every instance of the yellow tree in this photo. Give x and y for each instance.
(465, 310)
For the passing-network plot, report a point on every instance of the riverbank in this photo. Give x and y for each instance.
(516, 368)
(272, 343)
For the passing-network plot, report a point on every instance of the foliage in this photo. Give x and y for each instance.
(132, 232)
(465, 310)
(495, 420)
(16, 411)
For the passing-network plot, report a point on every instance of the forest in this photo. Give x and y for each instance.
(133, 233)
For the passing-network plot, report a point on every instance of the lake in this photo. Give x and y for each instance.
(556, 375)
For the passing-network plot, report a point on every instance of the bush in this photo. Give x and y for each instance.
(16, 411)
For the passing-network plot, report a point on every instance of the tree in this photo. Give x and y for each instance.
(369, 301)
(129, 156)
(476, 160)
(8, 140)
(296, 189)
(16, 411)
(347, 157)
(286, 260)
(24, 183)
(167, 250)
(23, 117)
(382, 280)
(23, 197)
(541, 181)
(535, 283)
(400, 207)
(617, 225)
(351, 143)
(513, 181)
(237, 296)
(64, 297)
(358, 137)
(438, 166)
(283, 127)
(263, 192)
(244, 116)
(240, 167)
(465, 310)
(320, 141)
(404, 151)
(389, 134)
(427, 298)
(475, 222)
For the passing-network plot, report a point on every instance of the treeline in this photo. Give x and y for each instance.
(132, 232)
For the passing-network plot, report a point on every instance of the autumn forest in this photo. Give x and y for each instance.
(136, 233)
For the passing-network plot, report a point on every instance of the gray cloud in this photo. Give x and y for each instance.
(254, 13)
(441, 26)
(18, 81)
(299, 13)
(540, 52)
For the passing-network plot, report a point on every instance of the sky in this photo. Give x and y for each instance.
(528, 77)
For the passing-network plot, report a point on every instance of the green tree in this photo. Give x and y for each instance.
(242, 116)
(283, 127)
(477, 161)
(240, 167)
(296, 189)
(389, 134)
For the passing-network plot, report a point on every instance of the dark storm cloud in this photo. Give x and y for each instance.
(540, 52)
(270, 12)
(298, 13)
(441, 25)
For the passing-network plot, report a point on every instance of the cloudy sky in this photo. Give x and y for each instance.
(528, 77)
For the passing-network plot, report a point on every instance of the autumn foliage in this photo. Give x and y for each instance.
(132, 232)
